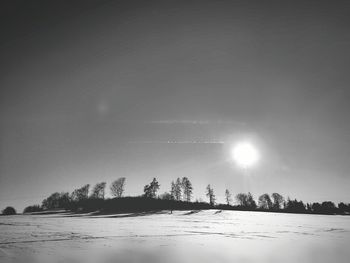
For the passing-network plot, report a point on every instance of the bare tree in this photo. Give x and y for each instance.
(251, 202)
(56, 200)
(52, 201)
(98, 192)
(172, 190)
(246, 200)
(117, 187)
(81, 193)
(187, 189)
(278, 201)
(228, 197)
(176, 189)
(151, 189)
(242, 199)
(210, 194)
(265, 202)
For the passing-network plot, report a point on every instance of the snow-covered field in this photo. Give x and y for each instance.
(184, 236)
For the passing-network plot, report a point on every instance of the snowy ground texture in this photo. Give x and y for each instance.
(184, 236)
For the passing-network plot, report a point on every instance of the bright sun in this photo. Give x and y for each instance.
(245, 154)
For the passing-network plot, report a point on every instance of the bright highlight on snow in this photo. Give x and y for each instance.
(245, 154)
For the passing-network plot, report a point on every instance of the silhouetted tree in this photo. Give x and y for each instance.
(64, 200)
(151, 189)
(79, 201)
(246, 200)
(173, 190)
(56, 200)
(328, 207)
(32, 208)
(117, 187)
(251, 201)
(81, 193)
(9, 211)
(51, 202)
(344, 208)
(98, 192)
(210, 195)
(228, 197)
(316, 208)
(265, 202)
(277, 201)
(295, 206)
(242, 199)
(309, 207)
(176, 189)
(187, 189)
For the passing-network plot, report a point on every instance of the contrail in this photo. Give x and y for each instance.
(195, 122)
(180, 142)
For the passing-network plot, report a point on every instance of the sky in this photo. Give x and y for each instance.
(95, 90)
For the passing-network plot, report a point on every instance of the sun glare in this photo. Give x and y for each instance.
(245, 154)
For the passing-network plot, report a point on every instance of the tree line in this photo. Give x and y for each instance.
(86, 198)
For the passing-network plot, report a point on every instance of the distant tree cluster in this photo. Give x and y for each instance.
(9, 211)
(181, 190)
(277, 203)
(81, 193)
(33, 208)
(246, 200)
(56, 200)
(71, 201)
(178, 197)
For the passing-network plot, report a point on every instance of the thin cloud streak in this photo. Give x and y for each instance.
(196, 122)
(180, 142)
